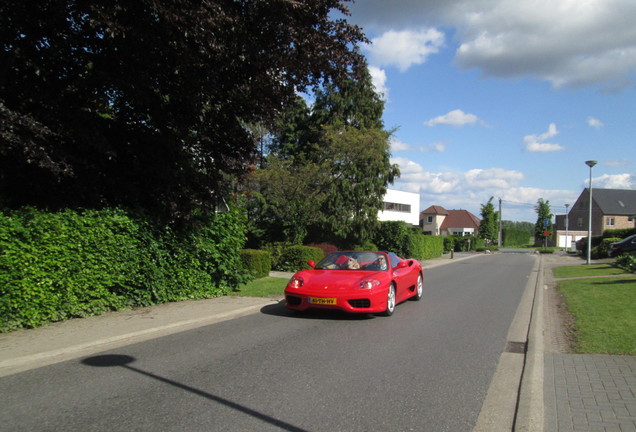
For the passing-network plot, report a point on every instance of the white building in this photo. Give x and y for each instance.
(401, 206)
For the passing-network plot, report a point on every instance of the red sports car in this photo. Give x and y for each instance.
(356, 281)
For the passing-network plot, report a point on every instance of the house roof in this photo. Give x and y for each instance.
(620, 202)
(461, 219)
(435, 210)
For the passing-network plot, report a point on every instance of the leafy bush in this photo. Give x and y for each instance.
(449, 243)
(432, 247)
(466, 244)
(627, 262)
(258, 262)
(55, 266)
(276, 251)
(295, 258)
(619, 233)
(604, 246)
(514, 237)
(393, 236)
(326, 248)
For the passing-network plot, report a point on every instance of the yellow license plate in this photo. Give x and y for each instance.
(322, 301)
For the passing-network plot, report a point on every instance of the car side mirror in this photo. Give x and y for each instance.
(311, 263)
(402, 264)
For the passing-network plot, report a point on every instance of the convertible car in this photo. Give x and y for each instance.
(356, 281)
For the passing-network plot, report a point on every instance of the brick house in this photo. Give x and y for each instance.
(611, 209)
(436, 220)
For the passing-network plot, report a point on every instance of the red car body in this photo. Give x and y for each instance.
(368, 286)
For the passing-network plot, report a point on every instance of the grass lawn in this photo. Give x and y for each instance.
(587, 270)
(604, 309)
(263, 287)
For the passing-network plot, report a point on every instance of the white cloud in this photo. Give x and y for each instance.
(404, 48)
(613, 181)
(469, 190)
(617, 163)
(453, 118)
(595, 123)
(378, 78)
(535, 143)
(436, 147)
(494, 178)
(397, 145)
(566, 42)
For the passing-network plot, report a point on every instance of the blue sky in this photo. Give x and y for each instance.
(505, 99)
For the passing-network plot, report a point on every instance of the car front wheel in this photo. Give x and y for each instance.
(390, 301)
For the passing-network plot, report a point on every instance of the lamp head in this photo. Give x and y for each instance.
(590, 163)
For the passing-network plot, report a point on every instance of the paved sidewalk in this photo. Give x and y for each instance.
(584, 392)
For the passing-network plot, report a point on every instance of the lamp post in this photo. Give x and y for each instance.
(590, 163)
(567, 248)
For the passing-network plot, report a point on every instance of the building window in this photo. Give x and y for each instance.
(610, 221)
(429, 219)
(396, 207)
(579, 222)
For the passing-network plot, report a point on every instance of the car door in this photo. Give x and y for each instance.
(402, 275)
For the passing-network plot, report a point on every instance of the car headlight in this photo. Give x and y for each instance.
(369, 283)
(296, 282)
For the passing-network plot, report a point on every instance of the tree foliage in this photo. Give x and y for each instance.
(544, 220)
(332, 171)
(144, 103)
(358, 170)
(489, 228)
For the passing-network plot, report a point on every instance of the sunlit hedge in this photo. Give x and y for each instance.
(55, 266)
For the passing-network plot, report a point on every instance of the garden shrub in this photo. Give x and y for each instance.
(295, 258)
(449, 243)
(604, 246)
(514, 237)
(326, 248)
(258, 262)
(627, 262)
(55, 266)
(432, 247)
(393, 236)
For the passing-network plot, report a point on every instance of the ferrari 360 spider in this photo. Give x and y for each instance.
(356, 281)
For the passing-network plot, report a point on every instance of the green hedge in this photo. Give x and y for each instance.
(259, 262)
(294, 258)
(514, 237)
(433, 247)
(55, 266)
(408, 242)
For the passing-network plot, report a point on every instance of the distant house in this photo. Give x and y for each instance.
(611, 209)
(400, 206)
(436, 220)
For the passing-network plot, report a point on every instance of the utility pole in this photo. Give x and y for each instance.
(500, 225)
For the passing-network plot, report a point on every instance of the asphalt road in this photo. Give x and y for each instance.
(426, 368)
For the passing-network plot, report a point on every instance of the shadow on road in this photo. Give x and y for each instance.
(124, 361)
(280, 310)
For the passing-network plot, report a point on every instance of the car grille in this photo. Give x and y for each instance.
(360, 303)
(293, 300)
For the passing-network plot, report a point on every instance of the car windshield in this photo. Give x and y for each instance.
(376, 261)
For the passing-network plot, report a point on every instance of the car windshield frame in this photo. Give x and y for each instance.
(355, 261)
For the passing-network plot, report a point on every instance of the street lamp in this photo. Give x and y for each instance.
(590, 163)
(567, 249)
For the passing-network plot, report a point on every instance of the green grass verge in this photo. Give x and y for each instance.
(604, 311)
(587, 270)
(263, 287)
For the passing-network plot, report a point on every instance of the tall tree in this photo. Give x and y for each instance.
(357, 168)
(145, 103)
(341, 134)
(489, 228)
(544, 220)
(352, 103)
(285, 196)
